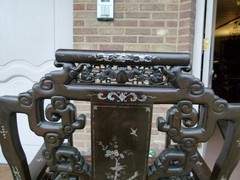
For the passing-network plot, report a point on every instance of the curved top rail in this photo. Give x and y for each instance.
(119, 57)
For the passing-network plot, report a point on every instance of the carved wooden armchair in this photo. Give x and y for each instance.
(122, 88)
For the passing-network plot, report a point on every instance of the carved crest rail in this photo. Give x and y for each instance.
(122, 88)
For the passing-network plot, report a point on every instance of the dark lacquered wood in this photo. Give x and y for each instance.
(122, 88)
(121, 136)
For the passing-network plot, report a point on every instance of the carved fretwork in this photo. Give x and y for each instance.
(110, 74)
(122, 88)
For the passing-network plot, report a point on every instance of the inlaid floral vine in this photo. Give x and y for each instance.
(118, 171)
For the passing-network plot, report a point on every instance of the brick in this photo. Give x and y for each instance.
(185, 23)
(127, 7)
(91, 6)
(155, 139)
(165, 15)
(84, 31)
(184, 39)
(152, 7)
(172, 40)
(88, 129)
(184, 1)
(78, 7)
(125, 39)
(160, 108)
(150, 40)
(111, 31)
(78, 23)
(82, 136)
(158, 145)
(82, 104)
(139, 15)
(160, 32)
(136, 47)
(130, 23)
(185, 14)
(78, 144)
(137, 1)
(113, 47)
(163, 48)
(184, 31)
(152, 1)
(85, 15)
(165, 1)
(98, 39)
(85, 46)
(96, 23)
(87, 144)
(154, 132)
(172, 24)
(78, 38)
(165, 32)
(183, 48)
(172, 7)
(138, 31)
(186, 6)
(119, 15)
(150, 23)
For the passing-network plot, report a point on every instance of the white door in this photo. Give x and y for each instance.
(30, 32)
(203, 48)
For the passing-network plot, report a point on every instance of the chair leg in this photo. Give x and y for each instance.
(38, 165)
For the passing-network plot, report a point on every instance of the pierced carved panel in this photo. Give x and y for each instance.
(108, 74)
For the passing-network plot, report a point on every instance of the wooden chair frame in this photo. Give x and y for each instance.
(122, 88)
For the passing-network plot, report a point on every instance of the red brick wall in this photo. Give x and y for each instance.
(139, 25)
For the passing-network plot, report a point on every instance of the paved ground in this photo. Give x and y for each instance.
(5, 173)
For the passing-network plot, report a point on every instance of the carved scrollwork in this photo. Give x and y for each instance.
(80, 122)
(61, 111)
(47, 154)
(46, 84)
(59, 103)
(52, 138)
(172, 161)
(65, 159)
(25, 98)
(54, 110)
(69, 160)
(189, 142)
(177, 116)
(170, 157)
(197, 88)
(185, 107)
(220, 105)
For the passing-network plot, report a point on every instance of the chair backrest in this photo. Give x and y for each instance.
(122, 88)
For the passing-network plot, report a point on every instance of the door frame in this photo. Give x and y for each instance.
(203, 47)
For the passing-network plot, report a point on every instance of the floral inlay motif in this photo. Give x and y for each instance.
(134, 132)
(16, 173)
(118, 171)
(4, 132)
(238, 142)
(122, 96)
(123, 57)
